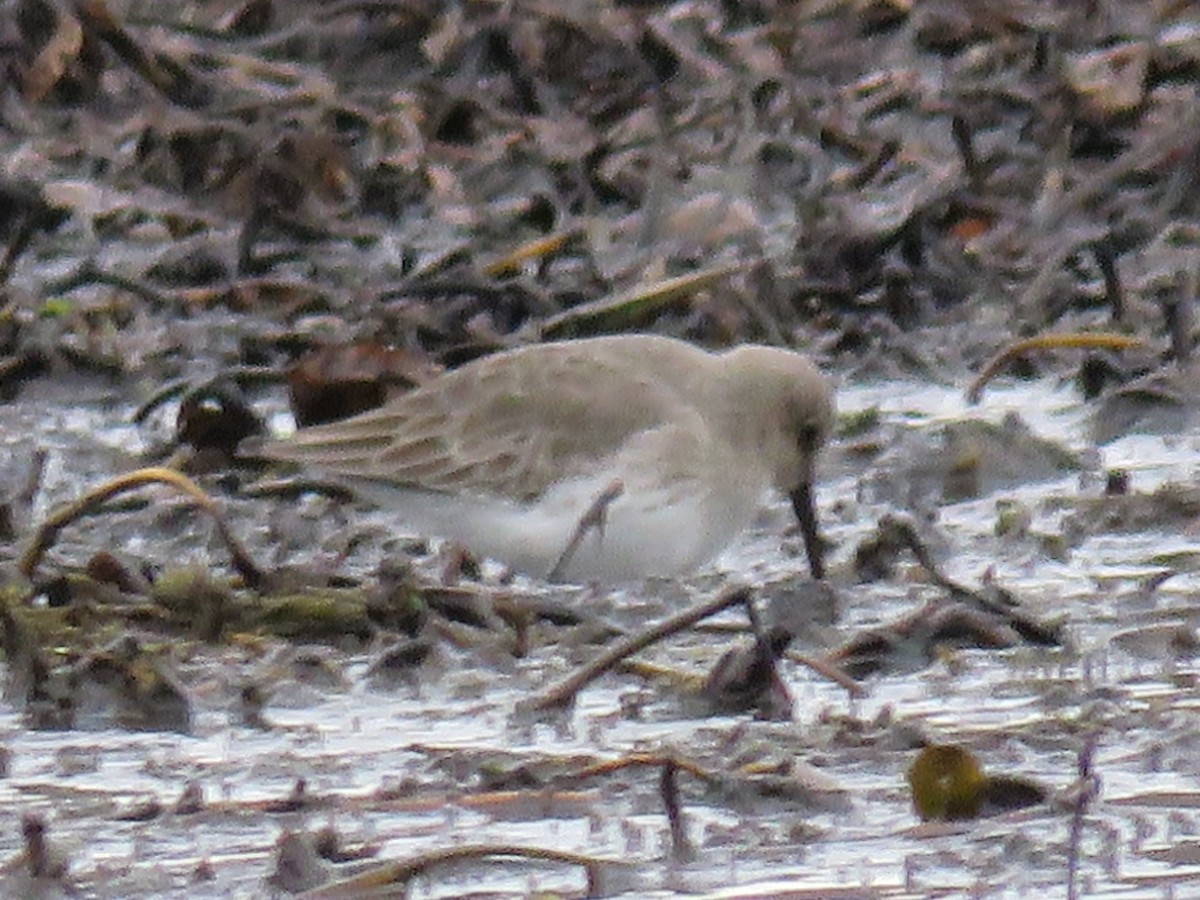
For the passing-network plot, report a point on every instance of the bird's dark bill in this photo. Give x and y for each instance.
(805, 508)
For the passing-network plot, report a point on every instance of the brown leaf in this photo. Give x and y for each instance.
(1109, 81)
(52, 61)
(340, 380)
(447, 35)
(250, 18)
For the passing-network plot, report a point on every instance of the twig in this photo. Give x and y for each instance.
(1177, 311)
(633, 760)
(668, 785)
(886, 152)
(830, 671)
(48, 530)
(401, 872)
(621, 311)
(1087, 793)
(1113, 293)
(561, 693)
(88, 273)
(1067, 340)
(964, 141)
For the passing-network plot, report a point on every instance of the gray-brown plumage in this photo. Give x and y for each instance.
(509, 452)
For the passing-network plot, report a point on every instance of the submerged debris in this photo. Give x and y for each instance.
(985, 618)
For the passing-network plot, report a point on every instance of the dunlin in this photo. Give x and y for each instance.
(606, 459)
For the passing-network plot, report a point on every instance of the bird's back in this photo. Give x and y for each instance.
(513, 424)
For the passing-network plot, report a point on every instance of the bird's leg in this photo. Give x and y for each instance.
(593, 517)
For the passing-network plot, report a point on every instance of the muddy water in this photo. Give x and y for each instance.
(849, 831)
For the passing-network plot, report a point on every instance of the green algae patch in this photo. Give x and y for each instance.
(326, 614)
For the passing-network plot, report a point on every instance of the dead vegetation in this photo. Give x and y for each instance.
(199, 202)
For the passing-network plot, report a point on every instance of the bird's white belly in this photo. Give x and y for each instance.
(645, 531)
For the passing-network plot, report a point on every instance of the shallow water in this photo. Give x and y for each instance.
(1023, 711)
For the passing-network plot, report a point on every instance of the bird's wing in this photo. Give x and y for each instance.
(509, 425)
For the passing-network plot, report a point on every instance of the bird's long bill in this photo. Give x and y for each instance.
(805, 508)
